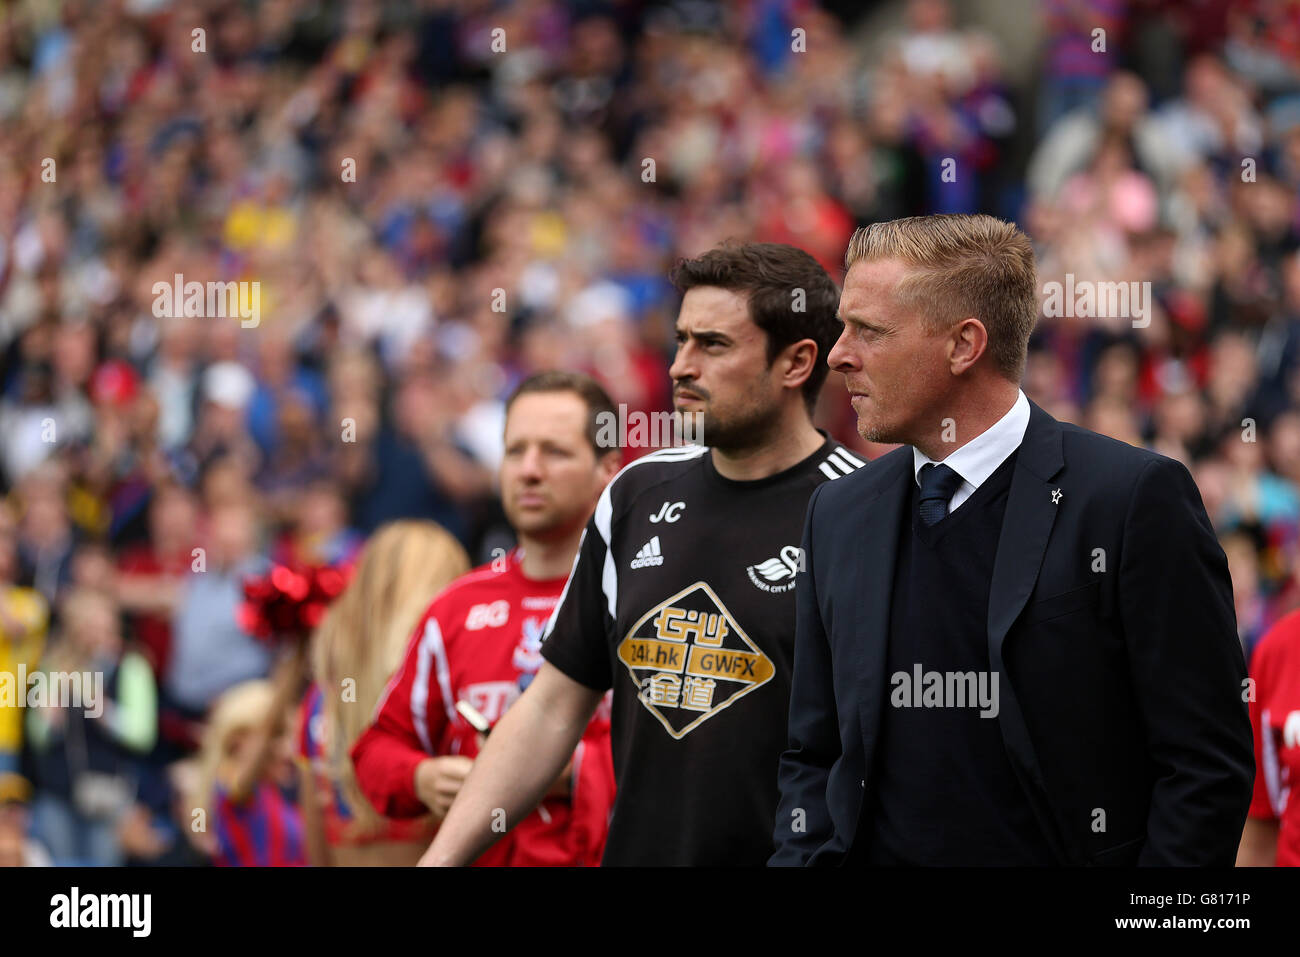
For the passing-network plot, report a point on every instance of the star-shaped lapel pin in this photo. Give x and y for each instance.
(1056, 497)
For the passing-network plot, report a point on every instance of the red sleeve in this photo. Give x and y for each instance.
(1262, 670)
(593, 793)
(388, 751)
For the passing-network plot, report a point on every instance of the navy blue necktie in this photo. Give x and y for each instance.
(938, 482)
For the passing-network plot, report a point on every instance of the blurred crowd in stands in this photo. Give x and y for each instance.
(430, 218)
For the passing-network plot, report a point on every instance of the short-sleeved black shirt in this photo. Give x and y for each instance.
(682, 600)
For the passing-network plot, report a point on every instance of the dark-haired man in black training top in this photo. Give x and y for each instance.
(682, 597)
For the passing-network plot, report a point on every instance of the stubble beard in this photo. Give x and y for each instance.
(878, 436)
(748, 429)
(875, 432)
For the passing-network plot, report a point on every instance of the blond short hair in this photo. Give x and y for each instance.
(962, 266)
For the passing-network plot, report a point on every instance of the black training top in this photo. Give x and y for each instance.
(682, 601)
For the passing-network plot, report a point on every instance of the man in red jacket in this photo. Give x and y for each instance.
(479, 642)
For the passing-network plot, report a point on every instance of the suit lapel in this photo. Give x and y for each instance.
(883, 515)
(1030, 515)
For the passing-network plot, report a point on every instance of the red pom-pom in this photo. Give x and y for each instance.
(250, 619)
(312, 613)
(292, 584)
(330, 582)
(289, 603)
(258, 590)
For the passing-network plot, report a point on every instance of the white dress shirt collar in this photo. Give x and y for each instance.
(980, 457)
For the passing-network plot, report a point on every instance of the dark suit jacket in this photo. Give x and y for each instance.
(1112, 628)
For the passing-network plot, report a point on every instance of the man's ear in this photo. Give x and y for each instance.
(970, 340)
(802, 357)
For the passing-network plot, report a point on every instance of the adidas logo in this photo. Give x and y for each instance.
(649, 554)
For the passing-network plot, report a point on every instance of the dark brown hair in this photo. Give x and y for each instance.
(770, 275)
(599, 404)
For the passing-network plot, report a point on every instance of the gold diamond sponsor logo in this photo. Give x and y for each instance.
(689, 659)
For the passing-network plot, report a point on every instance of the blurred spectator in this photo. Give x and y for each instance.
(245, 767)
(221, 430)
(86, 753)
(209, 650)
(24, 619)
(17, 849)
(157, 830)
(318, 532)
(150, 574)
(1119, 116)
(1081, 48)
(1243, 551)
(46, 537)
